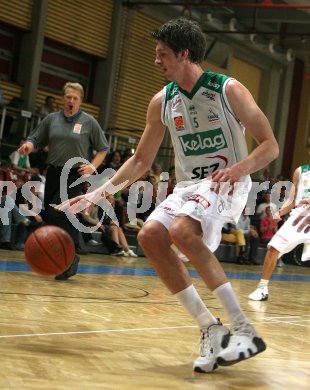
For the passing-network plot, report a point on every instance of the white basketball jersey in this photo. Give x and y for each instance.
(303, 188)
(205, 133)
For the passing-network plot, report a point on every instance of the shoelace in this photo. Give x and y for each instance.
(205, 341)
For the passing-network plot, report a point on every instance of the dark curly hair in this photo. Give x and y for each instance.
(180, 34)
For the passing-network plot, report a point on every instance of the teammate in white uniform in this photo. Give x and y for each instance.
(206, 115)
(286, 238)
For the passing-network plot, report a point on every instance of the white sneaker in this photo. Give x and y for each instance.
(93, 243)
(213, 339)
(244, 342)
(130, 253)
(260, 294)
(118, 253)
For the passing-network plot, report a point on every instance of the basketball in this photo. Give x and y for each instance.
(49, 250)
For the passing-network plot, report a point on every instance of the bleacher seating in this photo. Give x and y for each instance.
(10, 90)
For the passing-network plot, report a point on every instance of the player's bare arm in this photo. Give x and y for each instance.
(290, 202)
(256, 123)
(148, 146)
(135, 166)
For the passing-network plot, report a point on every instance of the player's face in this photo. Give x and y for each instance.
(72, 101)
(167, 61)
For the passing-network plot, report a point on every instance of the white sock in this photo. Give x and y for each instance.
(191, 300)
(263, 283)
(225, 294)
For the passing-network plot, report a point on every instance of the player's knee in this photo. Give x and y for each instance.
(272, 254)
(179, 234)
(147, 235)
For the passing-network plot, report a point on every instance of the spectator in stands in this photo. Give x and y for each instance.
(172, 173)
(69, 133)
(114, 160)
(116, 232)
(127, 153)
(93, 220)
(37, 195)
(16, 105)
(251, 237)
(171, 184)
(156, 171)
(20, 162)
(282, 194)
(272, 182)
(268, 226)
(13, 213)
(231, 234)
(261, 208)
(144, 215)
(49, 106)
(266, 175)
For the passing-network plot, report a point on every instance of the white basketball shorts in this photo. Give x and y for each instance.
(287, 237)
(201, 203)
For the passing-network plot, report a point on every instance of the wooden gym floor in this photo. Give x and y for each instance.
(115, 326)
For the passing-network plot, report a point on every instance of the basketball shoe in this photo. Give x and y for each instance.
(212, 340)
(244, 342)
(260, 294)
(71, 271)
(130, 253)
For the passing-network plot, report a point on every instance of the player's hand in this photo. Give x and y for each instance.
(84, 203)
(81, 203)
(303, 219)
(224, 180)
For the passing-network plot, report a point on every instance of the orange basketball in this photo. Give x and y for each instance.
(49, 250)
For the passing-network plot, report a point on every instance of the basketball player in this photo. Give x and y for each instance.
(68, 133)
(286, 238)
(205, 114)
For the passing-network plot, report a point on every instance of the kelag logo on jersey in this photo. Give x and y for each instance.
(205, 142)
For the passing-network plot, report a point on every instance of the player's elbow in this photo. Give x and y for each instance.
(274, 151)
(142, 161)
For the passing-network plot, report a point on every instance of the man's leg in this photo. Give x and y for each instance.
(270, 262)
(156, 243)
(240, 243)
(58, 218)
(244, 342)
(186, 234)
